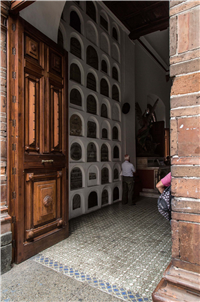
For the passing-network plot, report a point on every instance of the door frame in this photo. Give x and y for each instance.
(15, 140)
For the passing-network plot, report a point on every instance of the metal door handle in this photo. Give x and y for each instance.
(47, 161)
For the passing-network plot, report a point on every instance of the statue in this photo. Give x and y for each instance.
(144, 139)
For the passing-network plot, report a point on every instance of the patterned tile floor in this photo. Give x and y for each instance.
(120, 249)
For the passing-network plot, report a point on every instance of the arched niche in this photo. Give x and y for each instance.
(91, 10)
(60, 38)
(75, 73)
(104, 21)
(116, 154)
(105, 44)
(91, 32)
(115, 194)
(76, 202)
(76, 178)
(92, 57)
(104, 87)
(91, 129)
(92, 199)
(93, 176)
(104, 111)
(91, 81)
(115, 73)
(115, 133)
(115, 93)
(115, 52)
(104, 197)
(104, 175)
(76, 128)
(75, 97)
(116, 116)
(104, 66)
(104, 153)
(91, 152)
(91, 104)
(115, 34)
(75, 151)
(75, 21)
(105, 130)
(75, 47)
(115, 174)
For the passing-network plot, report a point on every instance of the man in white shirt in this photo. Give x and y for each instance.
(128, 181)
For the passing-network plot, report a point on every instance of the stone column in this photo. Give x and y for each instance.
(182, 278)
(6, 234)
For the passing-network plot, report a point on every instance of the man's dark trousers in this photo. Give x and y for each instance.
(128, 189)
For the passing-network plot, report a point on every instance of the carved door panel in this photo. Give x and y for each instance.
(40, 206)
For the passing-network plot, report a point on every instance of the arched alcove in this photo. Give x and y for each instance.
(92, 200)
(115, 93)
(76, 127)
(91, 129)
(105, 44)
(104, 20)
(104, 197)
(115, 52)
(104, 111)
(91, 10)
(116, 116)
(92, 57)
(104, 153)
(115, 193)
(115, 133)
(76, 178)
(75, 97)
(92, 32)
(91, 152)
(75, 73)
(115, 73)
(91, 82)
(116, 154)
(93, 176)
(75, 151)
(75, 21)
(104, 66)
(104, 87)
(115, 34)
(91, 104)
(75, 47)
(104, 175)
(76, 202)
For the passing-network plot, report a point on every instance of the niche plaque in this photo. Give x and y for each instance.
(92, 176)
(76, 151)
(91, 153)
(104, 176)
(91, 129)
(75, 125)
(76, 201)
(76, 179)
(104, 153)
(104, 197)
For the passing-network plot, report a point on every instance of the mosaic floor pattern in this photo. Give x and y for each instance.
(120, 249)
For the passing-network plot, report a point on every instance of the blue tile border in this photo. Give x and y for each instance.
(114, 290)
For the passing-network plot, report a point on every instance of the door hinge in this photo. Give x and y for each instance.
(14, 147)
(14, 244)
(13, 195)
(13, 219)
(14, 123)
(13, 171)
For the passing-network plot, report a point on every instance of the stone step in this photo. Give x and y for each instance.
(178, 285)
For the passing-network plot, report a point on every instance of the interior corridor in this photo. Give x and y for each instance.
(121, 250)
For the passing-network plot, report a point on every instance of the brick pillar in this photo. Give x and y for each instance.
(6, 234)
(182, 278)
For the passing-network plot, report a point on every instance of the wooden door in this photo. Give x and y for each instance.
(37, 144)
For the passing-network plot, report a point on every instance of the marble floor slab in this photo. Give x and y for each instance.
(121, 250)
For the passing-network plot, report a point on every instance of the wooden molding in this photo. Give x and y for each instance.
(17, 6)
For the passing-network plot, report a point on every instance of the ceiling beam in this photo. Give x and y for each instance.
(148, 28)
(16, 6)
(145, 9)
